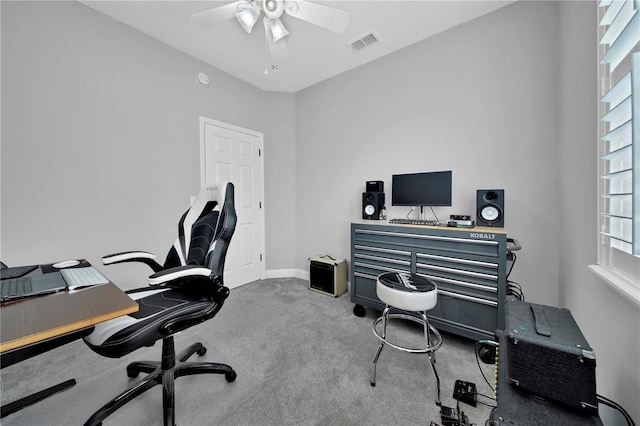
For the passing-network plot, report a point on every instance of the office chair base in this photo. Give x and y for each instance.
(162, 373)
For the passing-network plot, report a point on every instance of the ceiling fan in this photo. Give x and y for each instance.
(247, 12)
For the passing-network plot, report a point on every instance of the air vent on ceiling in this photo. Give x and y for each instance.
(364, 41)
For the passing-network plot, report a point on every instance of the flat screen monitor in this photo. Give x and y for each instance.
(421, 189)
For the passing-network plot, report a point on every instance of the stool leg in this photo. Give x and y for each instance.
(385, 317)
(431, 355)
(427, 335)
(375, 361)
(435, 373)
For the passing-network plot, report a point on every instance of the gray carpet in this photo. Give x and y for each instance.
(302, 358)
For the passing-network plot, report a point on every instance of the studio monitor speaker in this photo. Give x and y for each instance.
(372, 204)
(490, 207)
(375, 186)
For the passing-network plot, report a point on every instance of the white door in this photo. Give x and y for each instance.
(232, 153)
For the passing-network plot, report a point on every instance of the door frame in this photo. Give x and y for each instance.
(261, 214)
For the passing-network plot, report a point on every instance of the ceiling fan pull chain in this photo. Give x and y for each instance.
(266, 48)
(266, 51)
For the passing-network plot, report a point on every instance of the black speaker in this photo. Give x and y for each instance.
(490, 207)
(375, 186)
(372, 204)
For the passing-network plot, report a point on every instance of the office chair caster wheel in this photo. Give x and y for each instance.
(230, 376)
(202, 351)
(359, 311)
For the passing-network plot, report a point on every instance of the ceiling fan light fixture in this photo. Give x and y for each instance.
(273, 8)
(247, 16)
(277, 29)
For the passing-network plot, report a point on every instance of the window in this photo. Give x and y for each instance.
(619, 147)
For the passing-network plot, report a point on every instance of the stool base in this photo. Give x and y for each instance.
(431, 344)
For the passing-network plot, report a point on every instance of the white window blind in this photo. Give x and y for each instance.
(619, 145)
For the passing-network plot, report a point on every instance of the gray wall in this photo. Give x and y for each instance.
(100, 138)
(610, 323)
(505, 101)
(479, 100)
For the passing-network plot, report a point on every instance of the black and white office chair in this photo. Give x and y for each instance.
(187, 290)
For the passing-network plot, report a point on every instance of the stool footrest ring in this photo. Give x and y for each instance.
(435, 344)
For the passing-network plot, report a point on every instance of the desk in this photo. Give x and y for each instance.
(34, 325)
(39, 318)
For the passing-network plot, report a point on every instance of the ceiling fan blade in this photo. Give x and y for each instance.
(218, 14)
(323, 16)
(277, 49)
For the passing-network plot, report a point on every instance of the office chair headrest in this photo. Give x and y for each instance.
(208, 194)
(212, 192)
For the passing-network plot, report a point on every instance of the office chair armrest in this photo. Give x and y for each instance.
(192, 278)
(180, 273)
(133, 256)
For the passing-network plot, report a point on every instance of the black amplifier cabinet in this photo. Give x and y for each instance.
(328, 275)
(549, 356)
(516, 407)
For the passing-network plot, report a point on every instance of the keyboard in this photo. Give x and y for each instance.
(80, 277)
(415, 222)
(14, 287)
(16, 271)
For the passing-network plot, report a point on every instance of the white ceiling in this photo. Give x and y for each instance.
(315, 54)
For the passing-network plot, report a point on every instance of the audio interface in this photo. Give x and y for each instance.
(460, 217)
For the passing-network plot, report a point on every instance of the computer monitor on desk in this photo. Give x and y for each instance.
(421, 189)
(429, 189)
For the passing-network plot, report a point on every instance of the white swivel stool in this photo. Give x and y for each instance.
(410, 293)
